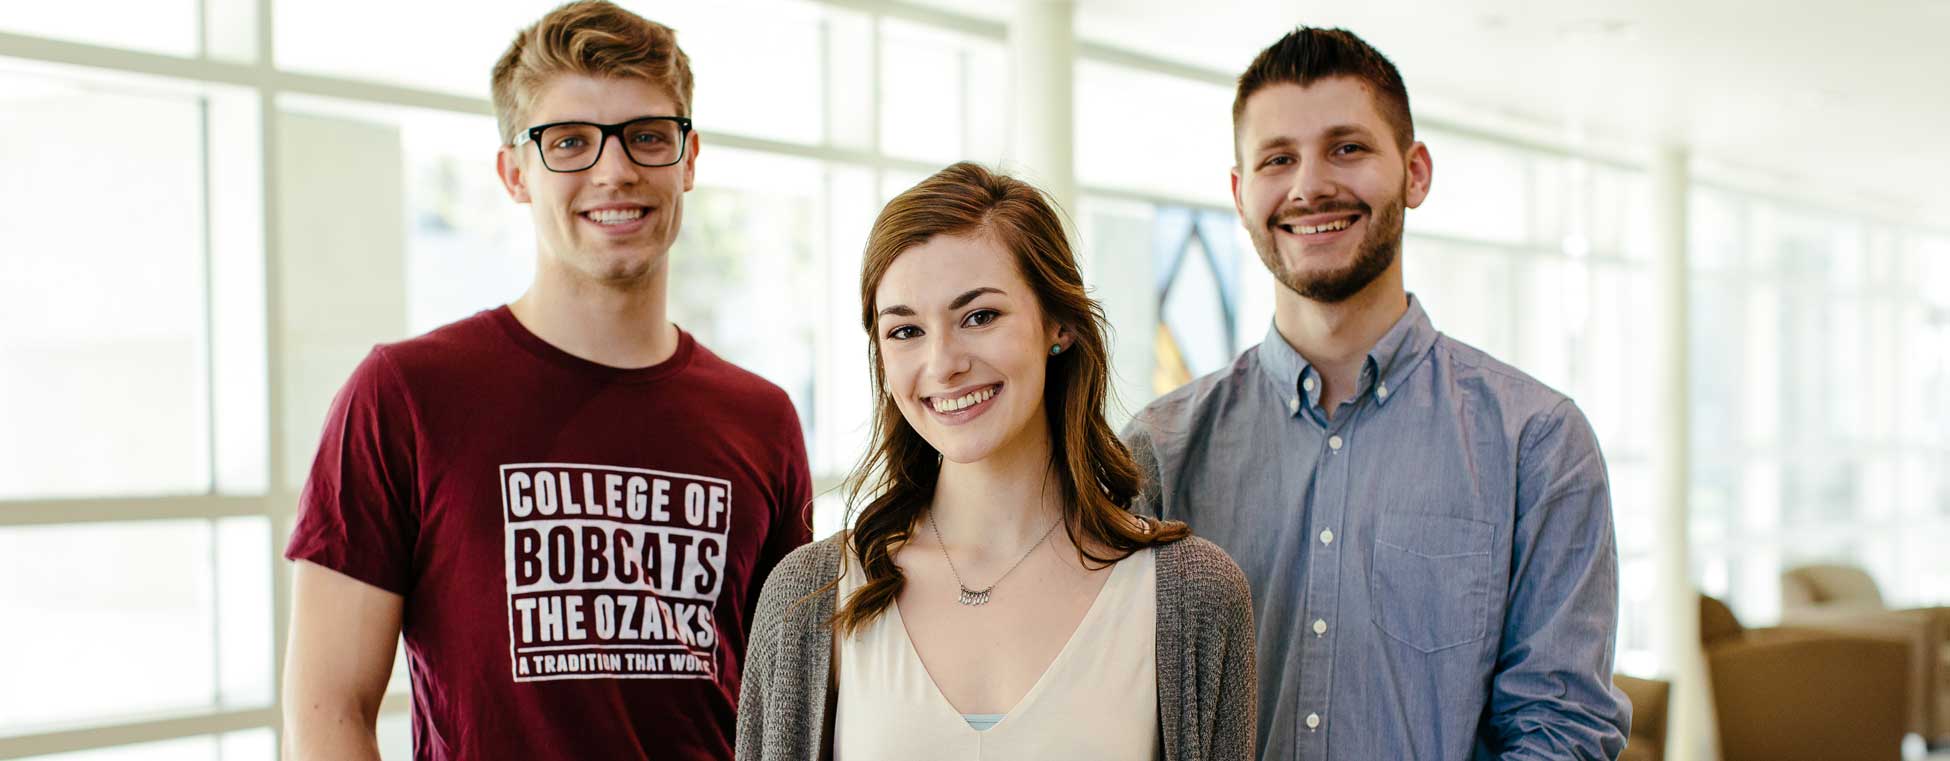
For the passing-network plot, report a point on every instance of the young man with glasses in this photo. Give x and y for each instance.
(566, 505)
(1426, 531)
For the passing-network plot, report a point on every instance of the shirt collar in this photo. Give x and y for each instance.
(1391, 360)
(1401, 349)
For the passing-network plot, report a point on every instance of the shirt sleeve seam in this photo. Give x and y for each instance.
(413, 416)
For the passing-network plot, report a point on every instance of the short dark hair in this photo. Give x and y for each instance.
(1306, 55)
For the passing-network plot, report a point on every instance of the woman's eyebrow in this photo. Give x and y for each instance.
(962, 300)
(903, 310)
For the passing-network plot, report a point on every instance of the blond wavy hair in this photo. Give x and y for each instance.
(594, 38)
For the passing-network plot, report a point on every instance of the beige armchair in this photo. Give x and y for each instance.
(1803, 694)
(1649, 697)
(1845, 598)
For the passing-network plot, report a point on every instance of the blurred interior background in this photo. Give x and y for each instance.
(1723, 227)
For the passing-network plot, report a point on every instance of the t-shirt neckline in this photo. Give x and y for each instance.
(504, 317)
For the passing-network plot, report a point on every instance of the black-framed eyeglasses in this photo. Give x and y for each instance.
(650, 141)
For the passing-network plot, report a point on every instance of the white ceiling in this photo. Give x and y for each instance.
(1841, 101)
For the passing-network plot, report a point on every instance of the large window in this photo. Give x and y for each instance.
(159, 26)
(1196, 258)
(176, 615)
(246, 745)
(106, 290)
(941, 95)
(1821, 394)
(130, 308)
(1175, 141)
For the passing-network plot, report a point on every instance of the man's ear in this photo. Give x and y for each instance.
(690, 162)
(1237, 204)
(1421, 175)
(508, 165)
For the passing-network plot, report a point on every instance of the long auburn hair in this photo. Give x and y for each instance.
(1093, 471)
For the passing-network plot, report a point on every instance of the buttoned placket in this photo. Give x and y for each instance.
(1330, 493)
(1323, 571)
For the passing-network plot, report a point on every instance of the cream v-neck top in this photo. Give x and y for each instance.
(1097, 700)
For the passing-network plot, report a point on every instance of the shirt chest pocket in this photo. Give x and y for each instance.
(1430, 582)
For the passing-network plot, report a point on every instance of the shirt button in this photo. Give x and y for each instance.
(1313, 721)
(1327, 536)
(1320, 627)
(1334, 443)
(1381, 391)
(1307, 384)
(1293, 406)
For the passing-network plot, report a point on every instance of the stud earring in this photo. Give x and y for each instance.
(1055, 349)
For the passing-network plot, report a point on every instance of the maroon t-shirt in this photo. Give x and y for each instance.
(580, 547)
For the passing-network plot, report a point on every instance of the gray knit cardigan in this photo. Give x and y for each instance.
(1206, 693)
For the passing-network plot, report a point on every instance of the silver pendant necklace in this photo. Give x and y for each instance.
(974, 597)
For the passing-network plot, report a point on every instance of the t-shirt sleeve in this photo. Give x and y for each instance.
(356, 513)
(792, 523)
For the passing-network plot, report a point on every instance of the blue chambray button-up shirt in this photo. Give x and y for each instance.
(1433, 570)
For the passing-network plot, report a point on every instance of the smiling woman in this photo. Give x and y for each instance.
(982, 261)
(955, 592)
(972, 346)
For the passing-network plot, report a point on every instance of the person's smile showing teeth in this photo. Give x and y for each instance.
(617, 217)
(1319, 225)
(963, 404)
